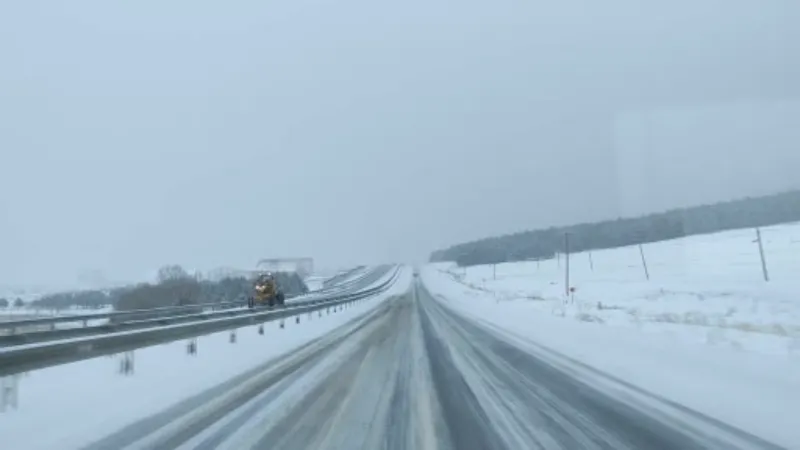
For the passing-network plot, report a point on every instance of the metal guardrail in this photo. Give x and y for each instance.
(15, 325)
(37, 356)
(52, 321)
(33, 337)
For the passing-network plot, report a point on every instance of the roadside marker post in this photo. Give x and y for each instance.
(761, 253)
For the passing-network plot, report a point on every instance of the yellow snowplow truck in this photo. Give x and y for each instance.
(266, 292)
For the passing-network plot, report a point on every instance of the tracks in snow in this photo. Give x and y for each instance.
(411, 374)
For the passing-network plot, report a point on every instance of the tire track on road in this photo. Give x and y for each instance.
(414, 374)
(541, 406)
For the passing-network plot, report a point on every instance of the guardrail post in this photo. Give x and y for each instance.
(261, 329)
(9, 390)
(126, 363)
(233, 337)
(191, 347)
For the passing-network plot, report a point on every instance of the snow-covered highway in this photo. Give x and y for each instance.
(411, 373)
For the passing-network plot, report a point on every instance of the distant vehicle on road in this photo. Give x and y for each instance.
(266, 292)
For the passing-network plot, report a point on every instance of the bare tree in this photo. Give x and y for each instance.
(172, 272)
(171, 292)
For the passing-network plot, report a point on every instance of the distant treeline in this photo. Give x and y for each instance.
(173, 288)
(5, 303)
(544, 244)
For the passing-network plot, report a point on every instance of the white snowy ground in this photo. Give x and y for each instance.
(314, 283)
(350, 277)
(707, 289)
(706, 331)
(82, 402)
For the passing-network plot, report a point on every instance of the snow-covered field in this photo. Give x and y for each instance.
(346, 276)
(314, 283)
(105, 400)
(317, 282)
(707, 289)
(706, 331)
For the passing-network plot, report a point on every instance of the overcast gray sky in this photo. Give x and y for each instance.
(213, 133)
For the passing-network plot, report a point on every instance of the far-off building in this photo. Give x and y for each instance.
(302, 266)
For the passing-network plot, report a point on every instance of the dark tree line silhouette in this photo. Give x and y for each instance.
(5, 303)
(174, 288)
(676, 223)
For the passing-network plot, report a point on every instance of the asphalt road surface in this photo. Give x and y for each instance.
(412, 375)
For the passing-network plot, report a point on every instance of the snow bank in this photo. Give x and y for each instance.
(314, 283)
(81, 402)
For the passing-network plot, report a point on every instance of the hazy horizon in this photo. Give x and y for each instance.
(137, 135)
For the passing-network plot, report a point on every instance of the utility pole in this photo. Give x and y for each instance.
(566, 259)
(761, 252)
(644, 263)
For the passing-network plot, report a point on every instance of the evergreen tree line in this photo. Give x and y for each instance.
(677, 223)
